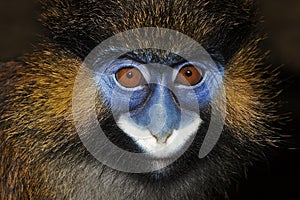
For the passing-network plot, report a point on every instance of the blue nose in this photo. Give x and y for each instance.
(160, 114)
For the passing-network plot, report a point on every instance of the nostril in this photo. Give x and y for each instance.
(161, 139)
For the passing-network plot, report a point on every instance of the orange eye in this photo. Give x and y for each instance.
(189, 75)
(130, 77)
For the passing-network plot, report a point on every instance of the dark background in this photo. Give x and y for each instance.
(278, 177)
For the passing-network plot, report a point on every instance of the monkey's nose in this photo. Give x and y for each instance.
(161, 139)
(160, 115)
(160, 126)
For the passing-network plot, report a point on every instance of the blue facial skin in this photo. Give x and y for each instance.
(161, 105)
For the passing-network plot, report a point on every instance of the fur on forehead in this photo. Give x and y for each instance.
(79, 26)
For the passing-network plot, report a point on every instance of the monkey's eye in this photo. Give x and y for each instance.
(189, 75)
(130, 77)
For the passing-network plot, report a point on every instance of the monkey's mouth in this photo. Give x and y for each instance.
(166, 146)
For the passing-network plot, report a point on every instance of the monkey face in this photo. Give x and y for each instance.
(153, 104)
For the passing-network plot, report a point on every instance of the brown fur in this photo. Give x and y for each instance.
(41, 156)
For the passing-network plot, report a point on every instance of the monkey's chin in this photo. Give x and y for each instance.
(175, 145)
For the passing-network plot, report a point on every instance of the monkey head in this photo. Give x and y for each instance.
(157, 103)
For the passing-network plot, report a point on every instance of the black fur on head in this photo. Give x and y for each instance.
(79, 26)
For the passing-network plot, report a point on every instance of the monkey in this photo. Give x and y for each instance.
(42, 156)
